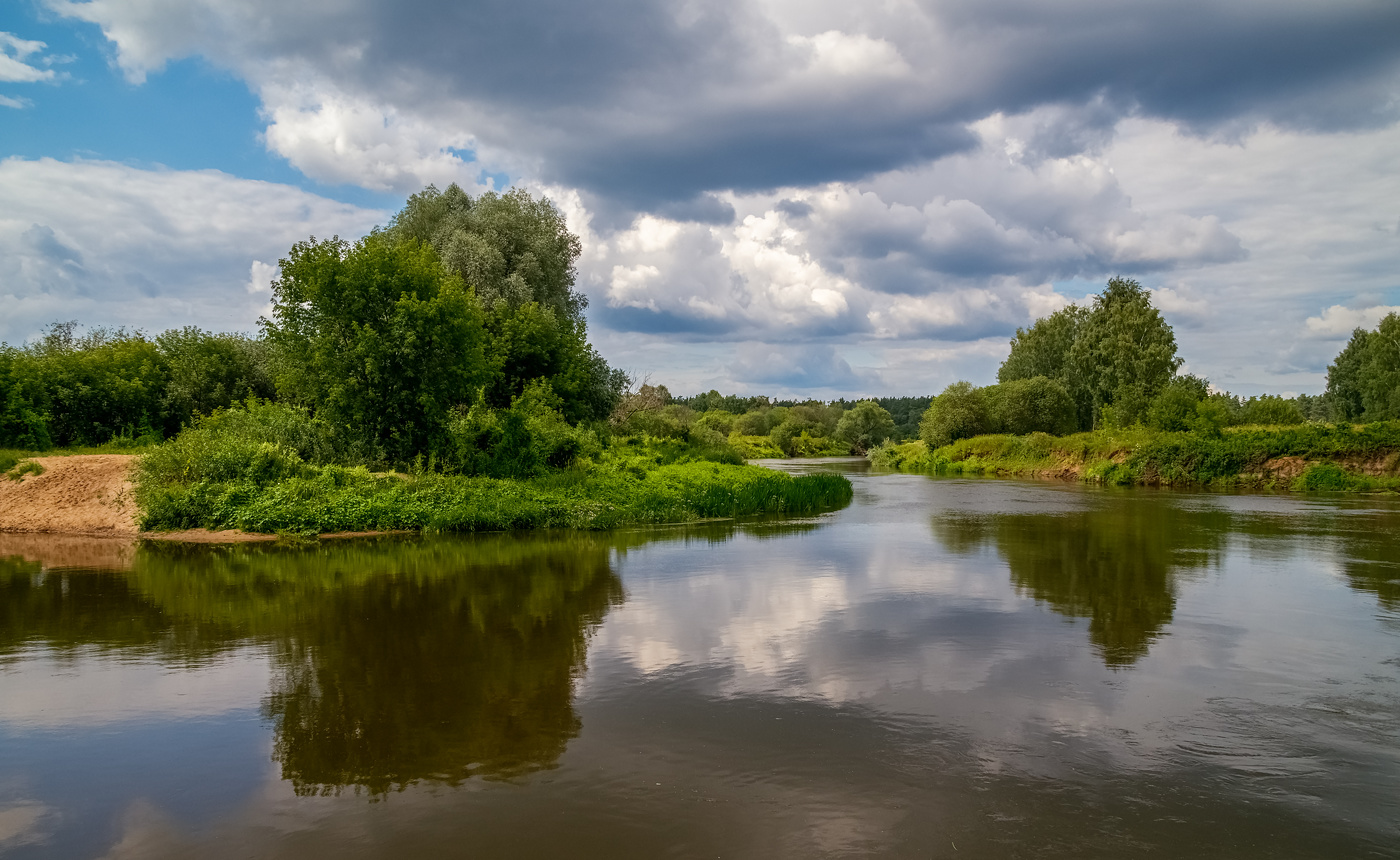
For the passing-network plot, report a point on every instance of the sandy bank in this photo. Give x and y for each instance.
(79, 495)
(90, 495)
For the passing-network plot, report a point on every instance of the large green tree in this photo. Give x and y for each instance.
(1043, 349)
(1124, 353)
(517, 254)
(1344, 377)
(379, 340)
(1380, 371)
(510, 248)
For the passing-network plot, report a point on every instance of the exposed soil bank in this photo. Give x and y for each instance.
(89, 496)
(83, 495)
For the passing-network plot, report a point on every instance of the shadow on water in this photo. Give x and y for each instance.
(394, 660)
(1115, 563)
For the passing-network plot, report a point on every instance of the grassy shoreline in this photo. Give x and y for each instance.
(1310, 457)
(334, 498)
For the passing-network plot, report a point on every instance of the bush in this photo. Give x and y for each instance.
(960, 412)
(1269, 409)
(1037, 404)
(256, 441)
(523, 441)
(865, 426)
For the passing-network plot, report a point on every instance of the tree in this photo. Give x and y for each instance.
(1043, 349)
(1037, 404)
(960, 412)
(210, 371)
(518, 255)
(1271, 409)
(1174, 407)
(510, 248)
(864, 426)
(1124, 353)
(1344, 377)
(378, 340)
(1380, 371)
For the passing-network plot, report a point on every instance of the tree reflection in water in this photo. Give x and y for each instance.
(394, 660)
(1114, 563)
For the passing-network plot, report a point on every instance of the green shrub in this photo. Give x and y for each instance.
(1034, 405)
(864, 426)
(1268, 409)
(1324, 476)
(960, 412)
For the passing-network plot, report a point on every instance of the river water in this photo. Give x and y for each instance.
(947, 668)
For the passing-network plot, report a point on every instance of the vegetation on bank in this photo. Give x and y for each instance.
(267, 467)
(1336, 457)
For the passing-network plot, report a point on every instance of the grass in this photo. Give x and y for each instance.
(1340, 457)
(335, 498)
(25, 467)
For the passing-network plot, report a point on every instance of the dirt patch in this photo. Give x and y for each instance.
(87, 494)
(1284, 468)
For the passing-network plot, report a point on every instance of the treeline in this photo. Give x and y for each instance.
(453, 334)
(1114, 365)
(761, 427)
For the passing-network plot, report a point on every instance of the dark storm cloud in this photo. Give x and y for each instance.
(653, 103)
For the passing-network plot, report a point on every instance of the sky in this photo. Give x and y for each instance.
(808, 198)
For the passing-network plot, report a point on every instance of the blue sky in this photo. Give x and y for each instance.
(780, 197)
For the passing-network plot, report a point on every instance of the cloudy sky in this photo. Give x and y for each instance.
(775, 196)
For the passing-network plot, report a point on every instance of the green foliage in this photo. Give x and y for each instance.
(1270, 409)
(210, 371)
(1125, 353)
(1033, 405)
(1229, 458)
(378, 341)
(533, 342)
(1380, 372)
(1174, 407)
(1120, 353)
(1212, 415)
(718, 420)
(512, 249)
(1344, 386)
(256, 442)
(66, 389)
(864, 426)
(1044, 348)
(332, 498)
(524, 441)
(959, 412)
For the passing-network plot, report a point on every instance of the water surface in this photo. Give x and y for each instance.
(947, 668)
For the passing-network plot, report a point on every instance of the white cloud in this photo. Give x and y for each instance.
(110, 244)
(14, 51)
(899, 174)
(1339, 322)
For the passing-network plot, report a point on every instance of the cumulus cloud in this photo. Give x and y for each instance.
(1338, 321)
(117, 245)
(658, 100)
(14, 54)
(759, 171)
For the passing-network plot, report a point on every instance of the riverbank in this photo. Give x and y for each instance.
(95, 495)
(1336, 457)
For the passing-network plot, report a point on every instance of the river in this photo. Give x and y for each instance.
(946, 668)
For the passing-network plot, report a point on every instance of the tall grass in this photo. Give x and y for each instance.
(335, 498)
